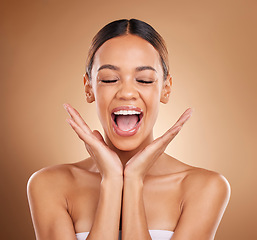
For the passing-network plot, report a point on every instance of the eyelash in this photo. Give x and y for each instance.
(108, 81)
(141, 81)
(145, 82)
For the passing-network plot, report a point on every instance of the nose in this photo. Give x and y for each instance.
(127, 91)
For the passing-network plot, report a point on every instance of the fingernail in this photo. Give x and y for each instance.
(191, 111)
(65, 106)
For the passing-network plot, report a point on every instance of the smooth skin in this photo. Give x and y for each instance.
(127, 183)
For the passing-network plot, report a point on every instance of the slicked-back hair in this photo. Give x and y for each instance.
(128, 26)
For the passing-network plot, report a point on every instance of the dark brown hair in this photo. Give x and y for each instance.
(123, 27)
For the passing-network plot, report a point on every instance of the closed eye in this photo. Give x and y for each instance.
(145, 82)
(108, 81)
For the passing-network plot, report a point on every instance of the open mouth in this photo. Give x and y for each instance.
(126, 119)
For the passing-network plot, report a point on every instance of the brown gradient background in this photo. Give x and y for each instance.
(212, 46)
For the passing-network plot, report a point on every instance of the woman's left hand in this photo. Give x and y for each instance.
(137, 167)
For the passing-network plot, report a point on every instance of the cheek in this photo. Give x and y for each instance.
(152, 102)
(103, 99)
(102, 95)
(100, 100)
(153, 106)
(152, 95)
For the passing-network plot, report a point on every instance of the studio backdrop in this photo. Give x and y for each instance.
(212, 50)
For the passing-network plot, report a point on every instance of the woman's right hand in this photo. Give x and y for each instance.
(107, 161)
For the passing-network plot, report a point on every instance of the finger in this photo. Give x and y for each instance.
(168, 136)
(81, 134)
(88, 138)
(183, 118)
(77, 118)
(180, 122)
(99, 136)
(162, 141)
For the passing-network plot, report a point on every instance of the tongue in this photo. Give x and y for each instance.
(126, 122)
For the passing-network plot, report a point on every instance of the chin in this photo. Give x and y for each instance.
(126, 147)
(127, 144)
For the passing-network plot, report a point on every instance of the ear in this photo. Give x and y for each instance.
(88, 89)
(166, 90)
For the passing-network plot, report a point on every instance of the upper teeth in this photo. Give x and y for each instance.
(126, 112)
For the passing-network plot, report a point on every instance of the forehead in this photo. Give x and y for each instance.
(127, 52)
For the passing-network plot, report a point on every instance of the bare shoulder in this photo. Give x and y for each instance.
(58, 178)
(51, 176)
(206, 183)
(200, 177)
(205, 194)
(48, 190)
(197, 181)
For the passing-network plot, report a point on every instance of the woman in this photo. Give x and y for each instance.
(128, 187)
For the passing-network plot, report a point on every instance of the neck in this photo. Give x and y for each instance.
(125, 156)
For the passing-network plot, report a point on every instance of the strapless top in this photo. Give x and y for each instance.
(155, 235)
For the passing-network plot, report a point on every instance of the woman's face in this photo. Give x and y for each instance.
(127, 86)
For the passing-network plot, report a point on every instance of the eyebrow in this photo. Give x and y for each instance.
(142, 68)
(108, 66)
(138, 69)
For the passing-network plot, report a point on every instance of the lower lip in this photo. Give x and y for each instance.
(128, 133)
